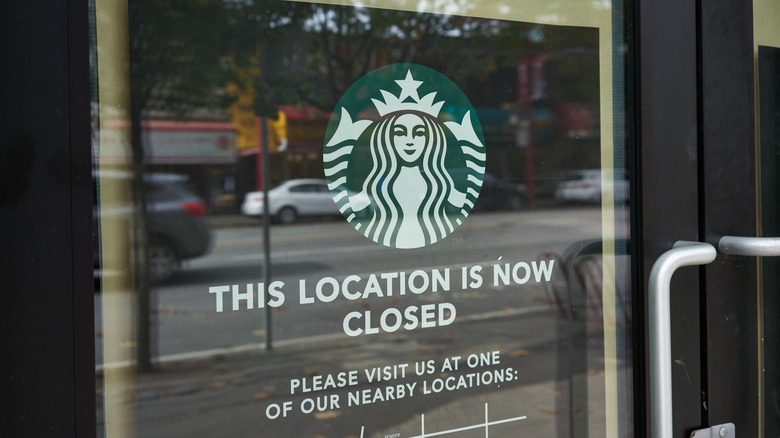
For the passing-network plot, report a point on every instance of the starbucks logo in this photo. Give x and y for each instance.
(404, 156)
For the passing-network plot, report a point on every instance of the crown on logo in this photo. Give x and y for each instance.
(408, 100)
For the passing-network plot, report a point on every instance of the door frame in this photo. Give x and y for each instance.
(696, 177)
(47, 323)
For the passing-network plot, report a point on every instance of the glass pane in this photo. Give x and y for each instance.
(464, 272)
(767, 50)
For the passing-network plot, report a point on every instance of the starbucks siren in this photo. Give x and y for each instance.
(401, 170)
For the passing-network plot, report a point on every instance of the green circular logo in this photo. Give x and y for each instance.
(404, 156)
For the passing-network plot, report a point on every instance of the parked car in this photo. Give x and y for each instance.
(293, 199)
(585, 186)
(176, 223)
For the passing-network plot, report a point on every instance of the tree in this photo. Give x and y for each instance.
(341, 44)
(177, 65)
(183, 53)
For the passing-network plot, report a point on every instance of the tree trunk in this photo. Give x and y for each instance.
(141, 239)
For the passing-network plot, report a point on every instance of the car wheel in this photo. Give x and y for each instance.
(287, 215)
(162, 262)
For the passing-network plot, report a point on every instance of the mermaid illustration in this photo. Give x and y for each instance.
(408, 198)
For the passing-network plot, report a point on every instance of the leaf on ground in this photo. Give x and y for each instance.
(547, 410)
(327, 415)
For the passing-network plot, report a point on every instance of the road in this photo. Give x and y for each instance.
(185, 316)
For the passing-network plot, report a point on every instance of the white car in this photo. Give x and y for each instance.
(292, 199)
(585, 186)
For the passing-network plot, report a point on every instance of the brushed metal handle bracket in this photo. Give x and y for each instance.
(720, 431)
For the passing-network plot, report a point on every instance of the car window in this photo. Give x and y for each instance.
(300, 189)
(305, 188)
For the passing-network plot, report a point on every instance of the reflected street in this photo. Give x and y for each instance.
(183, 309)
(214, 363)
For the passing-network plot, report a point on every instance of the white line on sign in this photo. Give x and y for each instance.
(486, 425)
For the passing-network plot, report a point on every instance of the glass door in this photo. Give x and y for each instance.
(715, 177)
(459, 265)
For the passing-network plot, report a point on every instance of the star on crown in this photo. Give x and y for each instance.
(408, 100)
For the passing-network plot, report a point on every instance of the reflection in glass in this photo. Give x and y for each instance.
(498, 327)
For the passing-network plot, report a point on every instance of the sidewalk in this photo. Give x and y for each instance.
(210, 397)
(228, 395)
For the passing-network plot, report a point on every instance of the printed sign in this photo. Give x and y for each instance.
(401, 172)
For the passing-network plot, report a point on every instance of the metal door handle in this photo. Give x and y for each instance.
(750, 246)
(683, 254)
